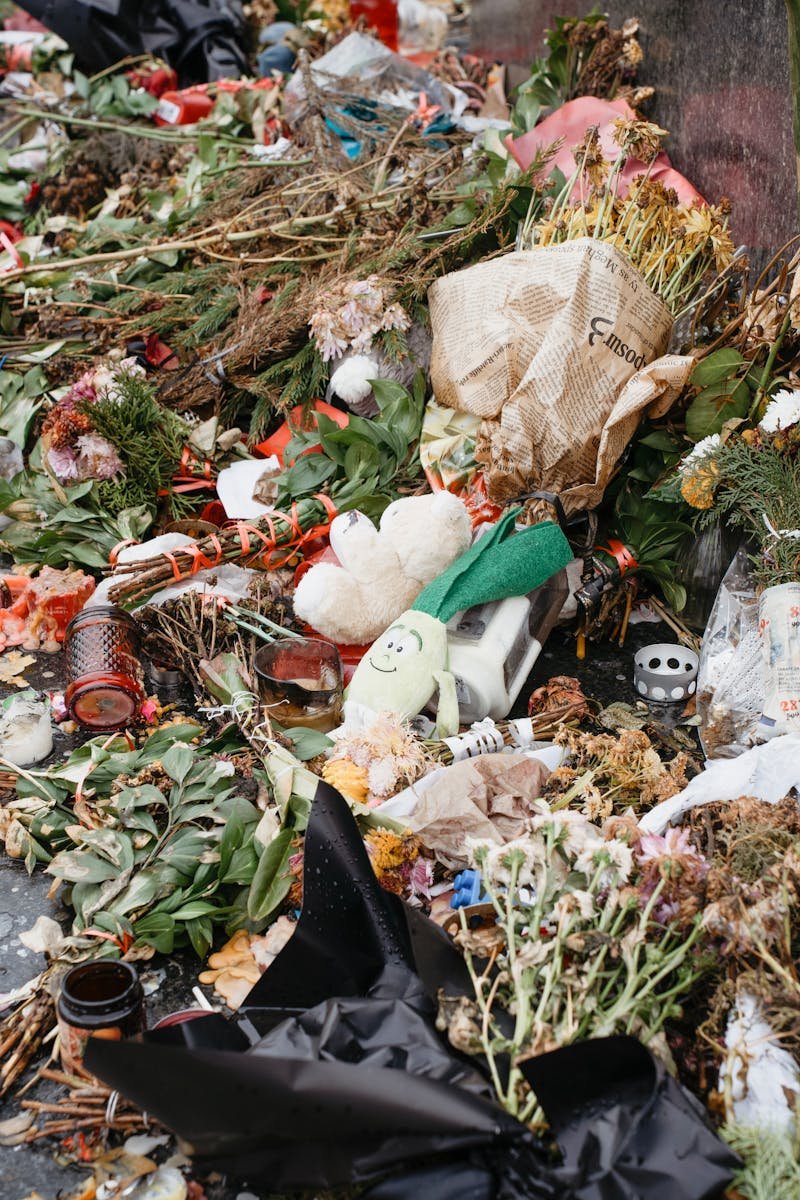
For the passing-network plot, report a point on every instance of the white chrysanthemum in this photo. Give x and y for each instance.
(521, 857)
(382, 776)
(578, 901)
(615, 855)
(782, 412)
(705, 448)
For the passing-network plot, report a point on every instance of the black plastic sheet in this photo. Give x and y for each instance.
(201, 39)
(334, 1074)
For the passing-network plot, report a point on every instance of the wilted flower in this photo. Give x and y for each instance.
(578, 901)
(388, 752)
(351, 314)
(97, 458)
(519, 859)
(614, 856)
(673, 864)
(640, 139)
(588, 154)
(63, 462)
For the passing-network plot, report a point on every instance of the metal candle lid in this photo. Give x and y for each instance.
(665, 673)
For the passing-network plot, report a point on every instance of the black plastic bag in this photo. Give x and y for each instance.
(200, 39)
(333, 1073)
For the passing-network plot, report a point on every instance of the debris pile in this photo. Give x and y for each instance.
(360, 414)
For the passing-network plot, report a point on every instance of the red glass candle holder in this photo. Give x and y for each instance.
(105, 679)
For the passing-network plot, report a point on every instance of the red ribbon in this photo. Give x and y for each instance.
(621, 554)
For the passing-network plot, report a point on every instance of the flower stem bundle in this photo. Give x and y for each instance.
(673, 244)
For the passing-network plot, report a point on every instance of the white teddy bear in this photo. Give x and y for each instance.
(382, 570)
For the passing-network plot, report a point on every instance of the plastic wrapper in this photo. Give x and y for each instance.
(363, 59)
(201, 39)
(759, 1077)
(702, 562)
(730, 685)
(333, 1073)
(447, 453)
(566, 127)
(423, 28)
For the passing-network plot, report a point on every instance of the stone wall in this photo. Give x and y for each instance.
(721, 73)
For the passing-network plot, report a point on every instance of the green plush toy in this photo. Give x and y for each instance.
(409, 662)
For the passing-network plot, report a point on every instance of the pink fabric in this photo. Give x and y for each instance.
(22, 22)
(571, 121)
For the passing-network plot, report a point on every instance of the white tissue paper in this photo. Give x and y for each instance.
(758, 1073)
(767, 772)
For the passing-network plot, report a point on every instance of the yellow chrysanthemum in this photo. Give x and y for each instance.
(348, 778)
(698, 487)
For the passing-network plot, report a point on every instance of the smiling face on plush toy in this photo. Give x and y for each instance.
(395, 649)
(398, 672)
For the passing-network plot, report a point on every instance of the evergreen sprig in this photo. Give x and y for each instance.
(148, 438)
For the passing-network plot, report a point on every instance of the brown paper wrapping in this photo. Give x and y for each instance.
(488, 798)
(561, 351)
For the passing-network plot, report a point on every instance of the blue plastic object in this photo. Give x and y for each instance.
(276, 32)
(468, 890)
(279, 57)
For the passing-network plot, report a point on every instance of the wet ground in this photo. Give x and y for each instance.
(606, 675)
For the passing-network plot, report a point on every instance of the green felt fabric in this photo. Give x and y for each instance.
(500, 564)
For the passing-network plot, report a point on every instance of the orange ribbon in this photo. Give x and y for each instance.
(199, 561)
(621, 554)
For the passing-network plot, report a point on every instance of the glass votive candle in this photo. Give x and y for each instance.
(105, 680)
(300, 682)
(97, 999)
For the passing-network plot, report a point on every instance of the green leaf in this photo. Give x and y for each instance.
(271, 881)
(308, 473)
(160, 741)
(156, 929)
(195, 908)
(719, 365)
(201, 935)
(361, 460)
(307, 743)
(242, 866)
(526, 112)
(81, 83)
(715, 405)
(78, 866)
(661, 439)
(116, 847)
(178, 761)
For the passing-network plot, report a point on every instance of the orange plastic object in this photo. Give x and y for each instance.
(570, 122)
(277, 442)
(182, 108)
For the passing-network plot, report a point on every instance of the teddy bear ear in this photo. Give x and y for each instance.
(446, 504)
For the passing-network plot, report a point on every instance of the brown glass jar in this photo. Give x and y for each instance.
(104, 675)
(98, 999)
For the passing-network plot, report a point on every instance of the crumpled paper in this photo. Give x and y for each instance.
(561, 351)
(487, 797)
